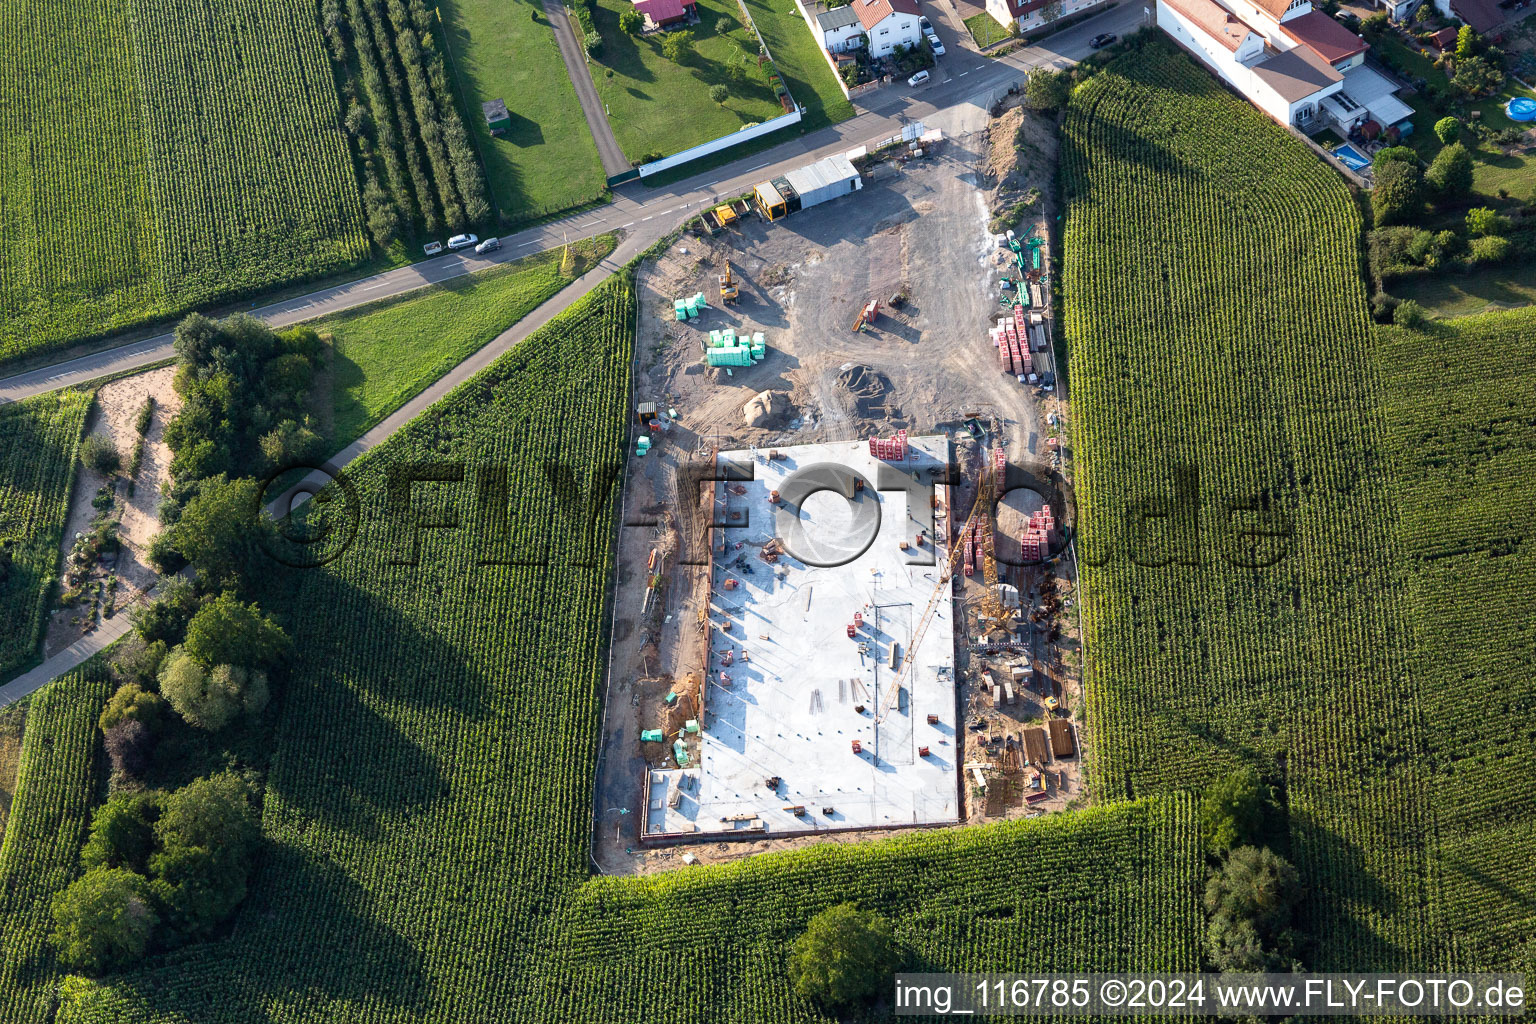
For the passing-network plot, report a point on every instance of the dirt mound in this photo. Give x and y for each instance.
(870, 390)
(767, 409)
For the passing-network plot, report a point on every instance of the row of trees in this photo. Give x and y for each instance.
(402, 115)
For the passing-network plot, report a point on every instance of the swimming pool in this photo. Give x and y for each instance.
(1352, 158)
(1521, 108)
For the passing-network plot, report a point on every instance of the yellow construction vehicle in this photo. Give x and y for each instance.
(728, 290)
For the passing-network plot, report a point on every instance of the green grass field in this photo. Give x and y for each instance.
(187, 157)
(506, 50)
(800, 63)
(658, 106)
(1507, 285)
(985, 30)
(38, 441)
(385, 353)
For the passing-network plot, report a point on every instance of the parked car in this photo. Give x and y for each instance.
(924, 24)
(458, 242)
(918, 79)
(1102, 39)
(432, 248)
(489, 245)
(938, 47)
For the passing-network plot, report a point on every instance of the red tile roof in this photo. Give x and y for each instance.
(873, 12)
(1214, 20)
(661, 11)
(1323, 36)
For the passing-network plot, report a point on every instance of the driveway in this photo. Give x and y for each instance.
(575, 57)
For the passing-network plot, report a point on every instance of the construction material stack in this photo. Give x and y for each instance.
(726, 348)
(892, 449)
(1009, 337)
(689, 308)
(1039, 532)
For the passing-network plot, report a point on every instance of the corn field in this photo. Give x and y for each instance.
(1461, 413)
(428, 806)
(40, 855)
(1220, 362)
(38, 441)
(159, 154)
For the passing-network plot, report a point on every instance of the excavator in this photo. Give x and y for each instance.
(728, 290)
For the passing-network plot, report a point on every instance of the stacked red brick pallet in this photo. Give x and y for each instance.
(1038, 534)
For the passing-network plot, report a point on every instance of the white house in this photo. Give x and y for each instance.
(889, 24)
(838, 30)
(1299, 66)
(1032, 14)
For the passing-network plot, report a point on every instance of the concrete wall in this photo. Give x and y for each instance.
(718, 145)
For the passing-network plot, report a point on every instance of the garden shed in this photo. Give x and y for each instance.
(497, 119)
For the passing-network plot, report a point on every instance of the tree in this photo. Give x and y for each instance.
(845, 957)
(631, 22)
(593, 41)
(221, 529)
(122, 833)
(1408, 314)
(207, 834)
(211, 699)
(139, 662)
(227, 631)
(105, 918)
(1236, 810)
(1466, 42)
(718, 94)
(725, 26)
(1448, 129)
(132, 703)
(129, 745)
(1483, 221)
(1394, 154)
(678, 46)
(1451, 172)
(1477, 76)
(101, 454)
(1046, 90)
(1396, 193)
(1250, 902)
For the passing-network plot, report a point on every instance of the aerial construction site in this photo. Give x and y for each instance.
(845, 599)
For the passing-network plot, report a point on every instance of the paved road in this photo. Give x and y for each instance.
(574, 53)
(963, 79)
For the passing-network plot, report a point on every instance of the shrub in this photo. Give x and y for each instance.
(1408, 314)
(1477, 76)
(227, 631)
(1466, 42)
(207, 835)
(1489, 249)
(1382, 307)
(678, 46)
(1047, 90)
(1483, 221)
(631, 22)
(1394, 154)
(104, 919)
(1448, 129)
(101, 454)
(1396, 194)
(845, 957)
(122, 833)
(133, 703)
(593, 41)
(718, 94)
(210, 700)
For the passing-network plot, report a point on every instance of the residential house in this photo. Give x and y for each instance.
(1299, 66)
(1029, 15)
(840, 30)
(1484, 16)
(666, 13)
(889, 24)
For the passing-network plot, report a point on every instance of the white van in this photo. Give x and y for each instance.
(918, 79)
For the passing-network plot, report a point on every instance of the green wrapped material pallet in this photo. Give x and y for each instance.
(652, 736)
(691, 726)
(679, 752)
(680, 307)
(734, 355)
